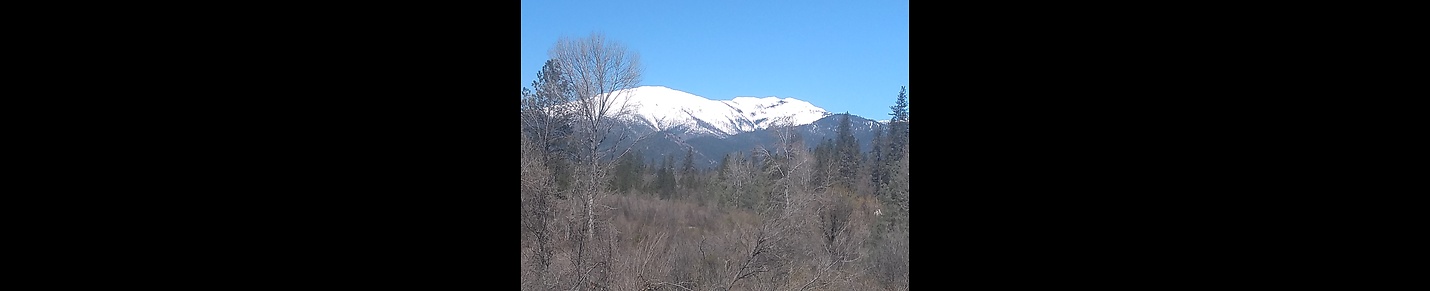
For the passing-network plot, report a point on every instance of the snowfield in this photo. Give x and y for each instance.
(664, 108)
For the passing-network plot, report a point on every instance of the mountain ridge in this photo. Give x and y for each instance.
(662, 121)
(665, 109)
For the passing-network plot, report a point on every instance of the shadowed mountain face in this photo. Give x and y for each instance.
(708, 149)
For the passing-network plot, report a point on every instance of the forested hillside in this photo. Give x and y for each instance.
(786, 215)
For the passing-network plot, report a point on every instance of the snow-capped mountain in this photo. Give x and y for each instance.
(661, 122)
(666, 109)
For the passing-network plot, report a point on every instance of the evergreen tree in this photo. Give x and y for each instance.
(824, 163)
(891, 150)
(687, 172)
(847, 151)
(735, 181)
(895, 168)
(760, 183)
(899, 124)
(550, 129)
(629, 172)
(665, 178)
(876, 160)
(724, 164)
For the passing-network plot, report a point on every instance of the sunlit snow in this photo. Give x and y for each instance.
(664, 108)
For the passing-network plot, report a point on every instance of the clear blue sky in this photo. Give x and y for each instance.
(839, 55)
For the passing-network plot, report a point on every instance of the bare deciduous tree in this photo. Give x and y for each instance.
(536, 213)
(599, 72)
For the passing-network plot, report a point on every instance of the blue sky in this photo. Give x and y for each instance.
(839, 55)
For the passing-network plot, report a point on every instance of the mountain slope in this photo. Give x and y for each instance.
(709, 149)
(661, 121)
(690, 115)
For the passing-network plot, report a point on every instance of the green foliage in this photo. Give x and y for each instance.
(738, 184)
(878, 174)
(687, 173)
(628, 173)
(724, 165)
(551, 130)
(825, 165)
(846, 148)
(665, 179)
(899, 124)
(893, 149)
(890, 177)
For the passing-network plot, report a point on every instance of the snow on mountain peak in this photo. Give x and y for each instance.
(665, 108)
(799, 111)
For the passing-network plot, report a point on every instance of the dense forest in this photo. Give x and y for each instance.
(795, 216)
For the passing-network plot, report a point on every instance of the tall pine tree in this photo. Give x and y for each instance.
(629, 172)
(896, 142)
(876, 159)
(899, 124)
(825, 164)
(549, 128)
(665, 178)
(687, 172)
(847, 151)
(895, 168)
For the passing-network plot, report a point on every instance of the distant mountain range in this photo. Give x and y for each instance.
(672, 121)
(666, 109)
